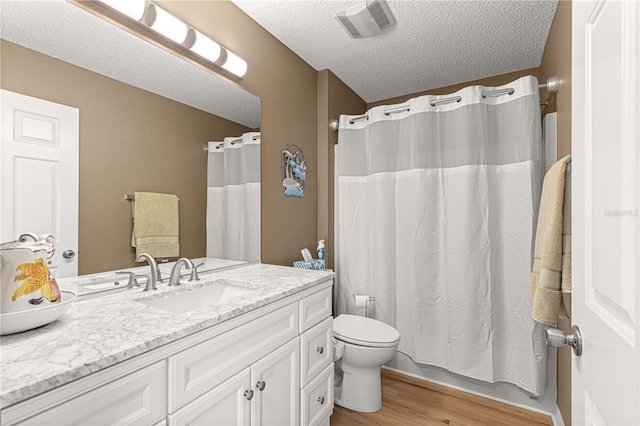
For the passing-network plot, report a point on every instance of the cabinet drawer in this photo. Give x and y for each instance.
(138, 398)
(315, 308)
(316, 350)
(199, 368)
(316, 398)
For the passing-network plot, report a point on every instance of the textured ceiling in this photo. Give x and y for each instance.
(64, 31)
(434, 44)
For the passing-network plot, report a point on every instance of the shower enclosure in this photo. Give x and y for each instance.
(437, 202)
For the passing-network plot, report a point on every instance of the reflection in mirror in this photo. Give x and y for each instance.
(146, 117)
(233, 198)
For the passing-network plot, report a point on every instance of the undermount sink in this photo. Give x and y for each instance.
(198, 296)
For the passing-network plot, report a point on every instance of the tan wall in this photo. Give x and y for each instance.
(130, 140)
(287, 86)
(557, 60)
(334, 98)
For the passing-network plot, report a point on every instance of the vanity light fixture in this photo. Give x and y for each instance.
(204, 46)
(166, 24)
(235, 64)
(134, 9)
(152, 16)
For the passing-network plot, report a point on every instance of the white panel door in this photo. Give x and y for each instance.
(606, 211)
(276, 381)
(39, 175)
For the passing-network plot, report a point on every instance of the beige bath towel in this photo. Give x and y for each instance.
(155, 224)
(551, 275)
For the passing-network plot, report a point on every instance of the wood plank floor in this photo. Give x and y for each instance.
(410, 401)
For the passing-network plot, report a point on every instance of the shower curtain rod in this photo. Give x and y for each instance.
(552, 85)
(233, 142)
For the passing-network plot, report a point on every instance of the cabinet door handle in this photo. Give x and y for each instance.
(261, 385)
(248, 394)
(321, 400)
(320, 350)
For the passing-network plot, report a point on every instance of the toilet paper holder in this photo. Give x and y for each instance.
(362, 301)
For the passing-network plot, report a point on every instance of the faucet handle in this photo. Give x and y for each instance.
(194, 272)
(150, 284)
(132, 279)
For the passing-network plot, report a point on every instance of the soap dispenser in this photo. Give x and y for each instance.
(321, 250)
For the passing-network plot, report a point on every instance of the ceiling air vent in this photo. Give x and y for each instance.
(367, 19)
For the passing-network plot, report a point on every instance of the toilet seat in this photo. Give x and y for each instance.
(364, 331)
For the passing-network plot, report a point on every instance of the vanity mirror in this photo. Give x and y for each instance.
(145, 118)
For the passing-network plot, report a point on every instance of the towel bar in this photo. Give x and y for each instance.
(131, 197)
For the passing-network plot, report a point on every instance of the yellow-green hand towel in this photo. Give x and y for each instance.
(156, 224)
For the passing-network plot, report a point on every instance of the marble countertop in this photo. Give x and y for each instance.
(99, 332)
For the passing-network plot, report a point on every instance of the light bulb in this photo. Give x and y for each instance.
(169, 26)
(206, 47)
(235, 64)
(134, 9)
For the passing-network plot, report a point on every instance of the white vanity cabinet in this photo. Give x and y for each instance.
(264, 394)
(193, 371)
(269, 366)
(272, 389)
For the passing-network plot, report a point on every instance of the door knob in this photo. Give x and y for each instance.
(557, 338)
(320, 350)
(248, 394)
(261, 385)
(69, 254)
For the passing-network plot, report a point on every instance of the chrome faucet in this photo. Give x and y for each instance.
(174, 279)
(155, 270)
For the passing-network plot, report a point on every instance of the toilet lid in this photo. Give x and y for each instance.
(364, 331)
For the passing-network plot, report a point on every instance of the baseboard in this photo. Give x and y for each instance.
(556, 416)
(476, 397)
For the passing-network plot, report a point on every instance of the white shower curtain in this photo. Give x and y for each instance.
(233, 198)
(436, 207)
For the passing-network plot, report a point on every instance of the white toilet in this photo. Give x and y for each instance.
(368, 344)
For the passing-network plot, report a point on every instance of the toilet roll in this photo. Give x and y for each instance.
(361, 300)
